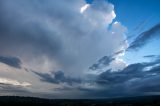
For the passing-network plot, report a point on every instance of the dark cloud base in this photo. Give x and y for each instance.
(11, 61)
(57, 78)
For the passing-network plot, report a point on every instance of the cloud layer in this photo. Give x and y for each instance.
(38, 38)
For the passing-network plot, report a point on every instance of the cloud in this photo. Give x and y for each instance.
(129, 72)
(104, 61)
(100, 11)
(49, 35)
(15, 90)
(135, 79)
(113, 62)
(13, 82)
(57, 78)
(11, 61)
(84, 8)
(137, 70)
(145, 37)
(150, 56)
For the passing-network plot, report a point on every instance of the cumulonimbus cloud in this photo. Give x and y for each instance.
(55, 35)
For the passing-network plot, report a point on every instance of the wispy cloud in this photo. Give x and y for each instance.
(150, 56)
(14, 82)
(145, 37)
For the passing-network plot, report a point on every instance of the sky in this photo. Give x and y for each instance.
(79, 49)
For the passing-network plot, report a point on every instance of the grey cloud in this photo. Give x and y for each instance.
(104, 61)
(145, 37)
(56, 29)
(149, 84)
(133, 80)
(33, 29)
(7, 89)
(46, 77)
(119, 52)
(22, 34)
(150, 56)
(57, 78)
(11, 61)
(11, 90)
(16, 37)
(130, 72)
(16, 90)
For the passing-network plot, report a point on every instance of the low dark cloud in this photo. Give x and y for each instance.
(11, 61)
(145, 37)
(9, 89)
(135, 79)
(57, 78)
(132, 71)
(104, 61)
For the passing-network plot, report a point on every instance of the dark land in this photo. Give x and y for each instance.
(127, 101)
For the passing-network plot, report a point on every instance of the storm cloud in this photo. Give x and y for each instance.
(47, 36)
(45, 32)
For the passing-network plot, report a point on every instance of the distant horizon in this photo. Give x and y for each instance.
(109, 98)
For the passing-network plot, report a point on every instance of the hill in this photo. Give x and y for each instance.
(127, 101)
